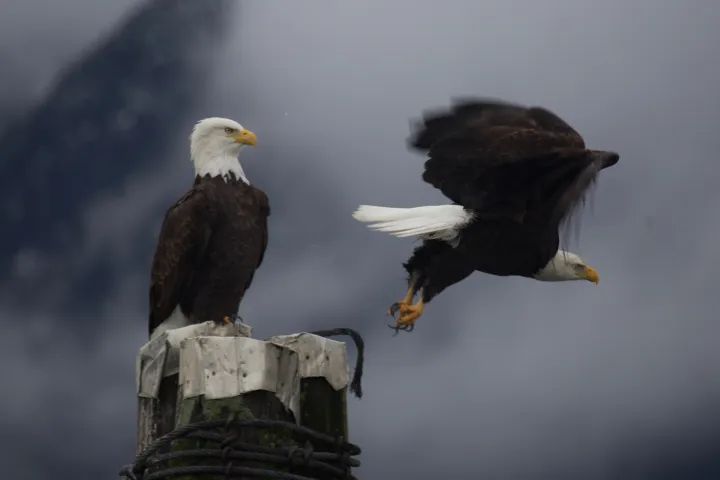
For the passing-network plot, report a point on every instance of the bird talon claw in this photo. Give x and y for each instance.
(408, 314)
(398, 328)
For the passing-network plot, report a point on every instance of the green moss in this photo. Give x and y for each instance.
(322, 408)
(199, 409)
(225, 408)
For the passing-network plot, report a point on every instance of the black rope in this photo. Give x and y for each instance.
(356, 384)
(249, 447)
(230, 470)
(233, 453)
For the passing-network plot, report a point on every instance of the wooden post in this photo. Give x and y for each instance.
(154, 418)
(209, 372)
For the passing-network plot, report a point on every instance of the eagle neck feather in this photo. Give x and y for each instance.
(222, 165)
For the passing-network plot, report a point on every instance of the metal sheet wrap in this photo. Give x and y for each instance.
(222, 362)
(318, 357)
(159, 357)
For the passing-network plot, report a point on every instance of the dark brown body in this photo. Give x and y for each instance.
(211, 242)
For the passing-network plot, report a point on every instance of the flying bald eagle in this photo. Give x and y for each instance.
(514, 174)
(214, 238)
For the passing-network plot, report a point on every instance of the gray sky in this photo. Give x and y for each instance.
(503, 377)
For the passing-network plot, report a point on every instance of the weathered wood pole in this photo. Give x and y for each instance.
(210, 372)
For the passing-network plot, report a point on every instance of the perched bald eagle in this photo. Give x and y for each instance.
(214, 238)
(513, 174)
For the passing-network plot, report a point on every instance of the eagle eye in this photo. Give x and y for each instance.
(229, 130)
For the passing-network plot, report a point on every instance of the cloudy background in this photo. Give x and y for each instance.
(503, 377)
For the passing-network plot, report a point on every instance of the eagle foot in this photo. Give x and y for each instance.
(408, 315)
(228, 321)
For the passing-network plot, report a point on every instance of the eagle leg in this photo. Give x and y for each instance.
(405, 301)
(227, 320)
(409, 314)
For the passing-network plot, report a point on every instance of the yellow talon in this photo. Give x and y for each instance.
(227, 320)
(409, 314)
(404, 302)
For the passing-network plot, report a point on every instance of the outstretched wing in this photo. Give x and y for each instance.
(181, 245)
(506, 160)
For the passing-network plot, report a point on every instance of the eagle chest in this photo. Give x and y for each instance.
(239, 228)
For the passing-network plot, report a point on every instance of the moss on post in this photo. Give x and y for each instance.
(252, 405)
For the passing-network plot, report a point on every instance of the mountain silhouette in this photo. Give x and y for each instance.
(109, 115)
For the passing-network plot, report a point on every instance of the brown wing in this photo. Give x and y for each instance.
(502, 159)
(264, 213)
(488, 122)
(183, 239)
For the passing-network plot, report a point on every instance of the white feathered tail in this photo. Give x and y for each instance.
(442, 222)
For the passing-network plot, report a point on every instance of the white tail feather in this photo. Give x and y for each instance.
(442, 222)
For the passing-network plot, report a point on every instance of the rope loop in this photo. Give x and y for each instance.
(225, 454)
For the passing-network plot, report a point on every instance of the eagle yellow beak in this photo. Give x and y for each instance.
(245, 137)
(592, 275)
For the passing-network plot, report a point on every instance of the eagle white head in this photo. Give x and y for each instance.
(567, 266)
(215, 144)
